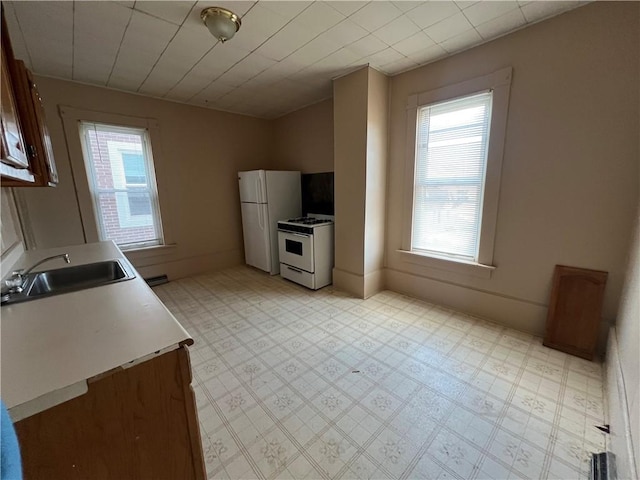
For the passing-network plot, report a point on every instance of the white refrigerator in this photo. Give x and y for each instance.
(266, 196)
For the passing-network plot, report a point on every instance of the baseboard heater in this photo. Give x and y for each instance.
(159, 280)
(603, 466)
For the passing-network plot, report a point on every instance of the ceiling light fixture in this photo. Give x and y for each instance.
(222, 23)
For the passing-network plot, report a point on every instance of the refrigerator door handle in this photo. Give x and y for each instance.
(259, 190)
(260, 218)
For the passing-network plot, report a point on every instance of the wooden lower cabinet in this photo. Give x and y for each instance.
(134, 423)
(575, 308)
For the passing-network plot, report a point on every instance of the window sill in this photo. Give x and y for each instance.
(448, 264)
(146, 252)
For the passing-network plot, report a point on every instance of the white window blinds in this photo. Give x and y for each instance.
(451, 159)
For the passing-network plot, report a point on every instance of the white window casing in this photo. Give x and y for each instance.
(72, 121)
(476, 261)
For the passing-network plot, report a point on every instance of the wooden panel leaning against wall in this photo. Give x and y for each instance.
(27, 157)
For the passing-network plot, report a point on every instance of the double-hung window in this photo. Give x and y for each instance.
(119, 166)
(455, 142)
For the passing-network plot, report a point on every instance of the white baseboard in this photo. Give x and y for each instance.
(518, 314)
(185, 267)
(617, 413)
(361, 286)
(349, 282)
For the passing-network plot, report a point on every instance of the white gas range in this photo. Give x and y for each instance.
(305, 247)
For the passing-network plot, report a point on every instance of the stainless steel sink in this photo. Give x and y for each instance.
(69, 279)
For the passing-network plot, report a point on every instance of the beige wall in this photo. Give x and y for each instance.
(623, 370)
(303, 140)
(350, 101)
(202, 152)
(360, 139)
(9, 227)
(376, 181)
(569, 178)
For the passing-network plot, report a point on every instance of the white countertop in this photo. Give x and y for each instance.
(52, 346)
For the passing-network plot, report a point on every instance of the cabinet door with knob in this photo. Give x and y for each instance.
(26, 159)
(14, 151)
(35, 131)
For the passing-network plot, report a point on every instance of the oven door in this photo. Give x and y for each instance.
(296, 249)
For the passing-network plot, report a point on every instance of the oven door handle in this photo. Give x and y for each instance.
(300, 235)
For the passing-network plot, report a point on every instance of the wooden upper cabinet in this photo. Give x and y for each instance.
(14, 151)
(27, 156)
(35, 129)
(573, 321)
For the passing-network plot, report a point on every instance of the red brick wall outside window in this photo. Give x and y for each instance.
(120, 222)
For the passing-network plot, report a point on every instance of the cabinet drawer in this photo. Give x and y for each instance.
(299, 276)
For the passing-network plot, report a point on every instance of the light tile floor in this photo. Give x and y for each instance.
(292, 383)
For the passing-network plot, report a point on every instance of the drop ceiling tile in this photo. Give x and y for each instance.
(17, 39)
(153, 90)
(430, 13)
(535, 11)
(216, 90)
(396, 30)
(132, 67)
(428, 55)
(462, 41)
(50, 49)
(175, 11)
(219, 60)
(315, 50)
(482, 12)
(318, 18)
(189, 86)
(448, 28)
(285, 42)
(367, 46)
(148, 34)
(501, 25)
(288, 66)
(384, 57)
(105, 21)
(160, 82)
(168, 72)
(92, 63)
(335, 63)
(415, 43)
(51, 57)
(408, 5)
(463, 5)
(52, 68)
(398, 66)
(187, 48)
(234, 97)
(34, 16)
(258, 25)
(246, 69)
(286, 9)
(346, 7)
(122, 82)
(345, 33)
(375, 14)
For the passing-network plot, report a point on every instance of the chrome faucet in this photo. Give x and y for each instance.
(16, 281)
